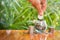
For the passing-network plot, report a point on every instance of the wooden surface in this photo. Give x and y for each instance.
(23, 35)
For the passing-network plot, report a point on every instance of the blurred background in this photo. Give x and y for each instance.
(18, 14)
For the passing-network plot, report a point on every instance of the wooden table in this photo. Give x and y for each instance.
(23, 35)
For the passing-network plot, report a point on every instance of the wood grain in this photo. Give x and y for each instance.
(23, 35)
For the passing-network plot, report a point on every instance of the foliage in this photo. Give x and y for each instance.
(18, 14)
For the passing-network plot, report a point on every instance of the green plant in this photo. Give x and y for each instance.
(17, 14)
